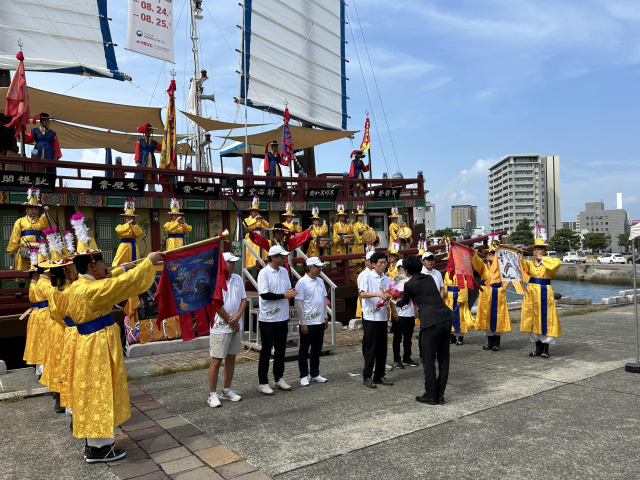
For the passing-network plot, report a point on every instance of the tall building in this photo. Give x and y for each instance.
(571, 226)
(525, 186)
(595, 219)
(460, 214)
(426, 215)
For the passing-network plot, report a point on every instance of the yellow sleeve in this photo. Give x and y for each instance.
(349, 228)
(251, 224)
(123, 230)
(42, 223)
(527, 266)
(32, 292)
(116, 272)
(336, 237)
(172, 227)
(16, 233)
(480, 267)
(137, 231)
(58, 303)
(265, 224)
(551, 265)
(186, 228)
(463, 293)
(323, 229)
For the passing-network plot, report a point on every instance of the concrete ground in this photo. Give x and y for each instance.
(574, 415)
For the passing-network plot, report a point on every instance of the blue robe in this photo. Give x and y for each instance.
(274, 167)
(146, 151)
(44, 146)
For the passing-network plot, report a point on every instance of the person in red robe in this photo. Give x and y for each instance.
(358, 167)
(46, 140)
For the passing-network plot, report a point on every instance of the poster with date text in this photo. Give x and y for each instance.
(150, 28)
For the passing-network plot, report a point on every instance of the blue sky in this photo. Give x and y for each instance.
(463, 83)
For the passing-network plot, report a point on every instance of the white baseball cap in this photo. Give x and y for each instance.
(399, 263)
(314, 262)
(368, 255)
(230, 257)
(426, 255)
(277, 250)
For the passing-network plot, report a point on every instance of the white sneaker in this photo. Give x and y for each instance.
(319, 379)
(388, 368)
(214, 401)
(231, 395)
(265, 389)
(282, 385)
(304, 381)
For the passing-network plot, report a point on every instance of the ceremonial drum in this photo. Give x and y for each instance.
(377, 241)
(324, 243)
(353, 274)
(369, 236)
(404, 235)
(347, 240)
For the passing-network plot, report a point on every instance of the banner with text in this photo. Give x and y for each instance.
(150, 28)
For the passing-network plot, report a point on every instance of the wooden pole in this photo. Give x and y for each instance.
(369, 154)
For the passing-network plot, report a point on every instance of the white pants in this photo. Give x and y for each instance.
(39, 369)
(101, 442)
(534, 337)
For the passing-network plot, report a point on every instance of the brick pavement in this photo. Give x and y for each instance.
(162, 445)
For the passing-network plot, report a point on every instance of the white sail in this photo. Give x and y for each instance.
(66, 36)
(295, 52)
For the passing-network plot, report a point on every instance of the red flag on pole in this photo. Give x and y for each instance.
(286, 148)
(168, 157)
(17, 104)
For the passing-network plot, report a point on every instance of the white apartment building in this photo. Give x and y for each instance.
(525, 186)
(426, 215)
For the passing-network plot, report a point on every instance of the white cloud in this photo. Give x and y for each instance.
(399, 64)
(630, 199)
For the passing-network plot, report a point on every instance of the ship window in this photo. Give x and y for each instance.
(9, 218)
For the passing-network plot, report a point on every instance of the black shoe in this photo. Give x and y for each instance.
(18, 295)
(545, 352)
(410, 363)
(398, 365)
(428, 401)
(382, 381)
(58, 408)
(453, 339)
(539, 349)
(496, 346)
(440, 400)
(71, 426)
(369, 383)
(108, 453)
(491, 341)
(460, 341)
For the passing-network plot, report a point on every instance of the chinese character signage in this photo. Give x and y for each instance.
(21, 181)
(125, 187)
(208, 191)
(266, 194)
(149, 28)
(316, 193)
(389, 193)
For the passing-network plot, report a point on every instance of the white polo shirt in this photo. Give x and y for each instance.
(273, 281)
(371, 282)
(437, 276)
(232, 300)
(312, 295)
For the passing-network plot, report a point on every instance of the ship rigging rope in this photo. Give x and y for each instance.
(376, 82)
(366, 85)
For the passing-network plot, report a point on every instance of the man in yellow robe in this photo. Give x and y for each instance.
(177, 228)
(31, 339)
(100, 392)
(36, 347)
(28, 229)
(128, 232)
(539, 315)
(493, 313)
(255, 223)
(341, 228)
(458, 301)
(395, 225)
(358, 229)
(316, 231)
(292, 225)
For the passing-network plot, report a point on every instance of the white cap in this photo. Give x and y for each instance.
(230, 257)
(399, 263)
(428, 255)
(277, 250)
(314, 262)
(368, 255)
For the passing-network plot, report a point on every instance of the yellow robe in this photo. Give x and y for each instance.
(531, 320)
(176, 227)
(294, 229)
(29, 352)
(123, 255)
(38, 344)
(52, 368)
(393, 231)
(358, 245)
(259, 226)
(466, 319)
(316, 232)
(20, 226)
(502, 322)
(100, 392)
(392, 271)
(339, 228)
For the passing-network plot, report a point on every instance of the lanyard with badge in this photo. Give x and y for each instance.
(314, 309)
(269, 313)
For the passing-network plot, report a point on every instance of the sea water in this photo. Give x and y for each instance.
(583, 290)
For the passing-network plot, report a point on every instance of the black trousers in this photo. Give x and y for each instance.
(314, 340)
(272, 334)
(402, 332)
(374, 348)
(435, 341)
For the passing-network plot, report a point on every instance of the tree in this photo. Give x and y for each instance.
(596, 241)
(445, 232)
(623, 241)
(523, 235)
(565, 239)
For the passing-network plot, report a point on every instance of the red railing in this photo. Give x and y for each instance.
(293, 188)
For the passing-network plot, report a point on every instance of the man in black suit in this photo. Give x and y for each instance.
(435, 329)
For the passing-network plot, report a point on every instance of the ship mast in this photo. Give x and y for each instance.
(199, 78)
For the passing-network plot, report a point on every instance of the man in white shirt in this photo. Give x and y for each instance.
(374, 320)
(312, 312)
(403, 328)
(225, 339)
(428, 261)
(274, 288)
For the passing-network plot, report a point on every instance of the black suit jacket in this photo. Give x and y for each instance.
(423, 291)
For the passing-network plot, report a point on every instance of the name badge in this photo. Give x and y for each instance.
(269, 313)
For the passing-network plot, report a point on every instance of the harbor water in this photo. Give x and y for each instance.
(584, 290)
